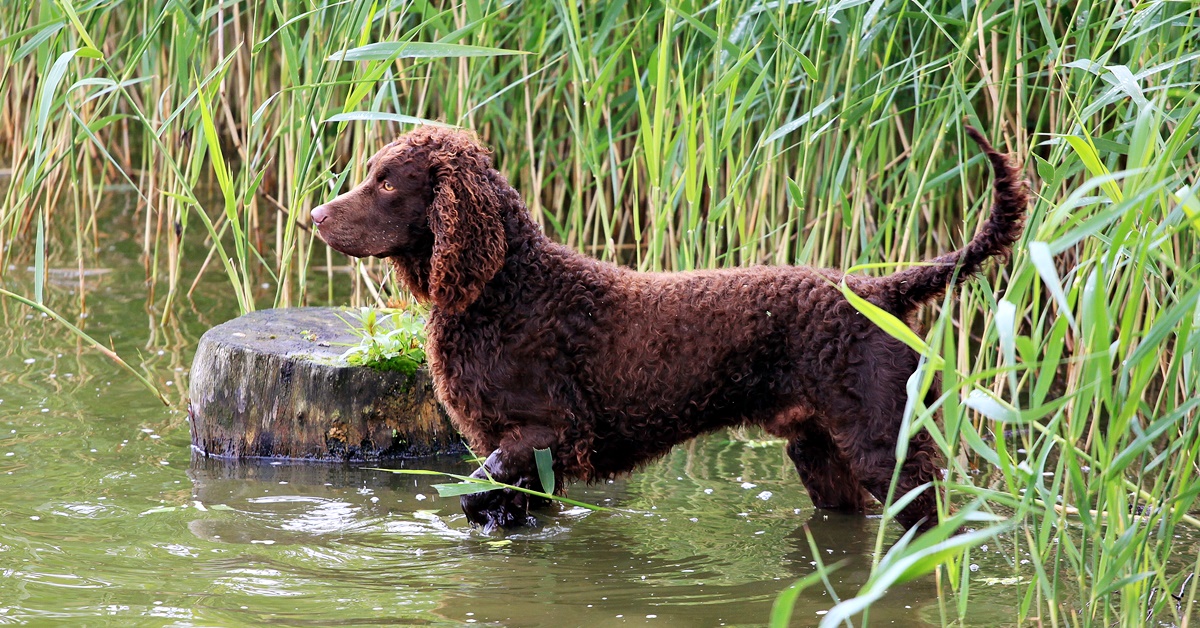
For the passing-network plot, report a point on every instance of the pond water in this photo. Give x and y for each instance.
(107, 517)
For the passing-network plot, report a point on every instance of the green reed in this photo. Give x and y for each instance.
(684, 135)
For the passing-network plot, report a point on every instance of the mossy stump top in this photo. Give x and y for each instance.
(270, 385)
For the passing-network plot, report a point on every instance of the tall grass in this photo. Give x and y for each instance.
(675, 135)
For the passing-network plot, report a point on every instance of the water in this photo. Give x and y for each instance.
(107, 518)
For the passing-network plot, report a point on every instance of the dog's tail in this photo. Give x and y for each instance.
(906, 290)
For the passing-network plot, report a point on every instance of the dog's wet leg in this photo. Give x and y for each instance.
(512, 463)
(872, 455)
(825, 471)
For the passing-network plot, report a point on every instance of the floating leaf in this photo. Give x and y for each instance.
(1007, 582)
(154, 511)
(464, 479)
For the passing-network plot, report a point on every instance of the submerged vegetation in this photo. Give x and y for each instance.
(677, 135)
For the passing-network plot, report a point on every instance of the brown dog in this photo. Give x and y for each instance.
(533, 345)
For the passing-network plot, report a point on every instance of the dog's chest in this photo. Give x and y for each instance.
(488, 372)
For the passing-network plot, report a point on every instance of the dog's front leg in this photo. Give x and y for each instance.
(500, 508)
(512, 463)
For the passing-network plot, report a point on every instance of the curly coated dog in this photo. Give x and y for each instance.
(533, 345)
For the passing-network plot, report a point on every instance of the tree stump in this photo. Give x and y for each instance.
(269, 385)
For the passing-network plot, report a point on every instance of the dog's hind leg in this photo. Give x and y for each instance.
(824, 470)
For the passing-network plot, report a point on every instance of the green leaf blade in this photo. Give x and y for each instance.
(387, 50)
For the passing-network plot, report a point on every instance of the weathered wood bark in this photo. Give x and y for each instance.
(267, 384)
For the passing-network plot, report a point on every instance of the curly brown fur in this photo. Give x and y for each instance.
(533, 345)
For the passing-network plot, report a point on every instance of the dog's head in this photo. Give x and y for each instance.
(432, 203)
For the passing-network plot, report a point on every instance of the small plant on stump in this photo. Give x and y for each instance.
(389, 339)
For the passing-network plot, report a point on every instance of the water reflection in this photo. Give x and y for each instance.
(298, 503)
(708, 552)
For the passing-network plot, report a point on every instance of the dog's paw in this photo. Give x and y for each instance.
(499, 508)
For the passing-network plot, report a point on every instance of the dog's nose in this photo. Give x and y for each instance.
(319, 214)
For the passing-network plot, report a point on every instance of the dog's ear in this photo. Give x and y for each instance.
(468, 236)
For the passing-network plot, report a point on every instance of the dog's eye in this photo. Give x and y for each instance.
(387, 186)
